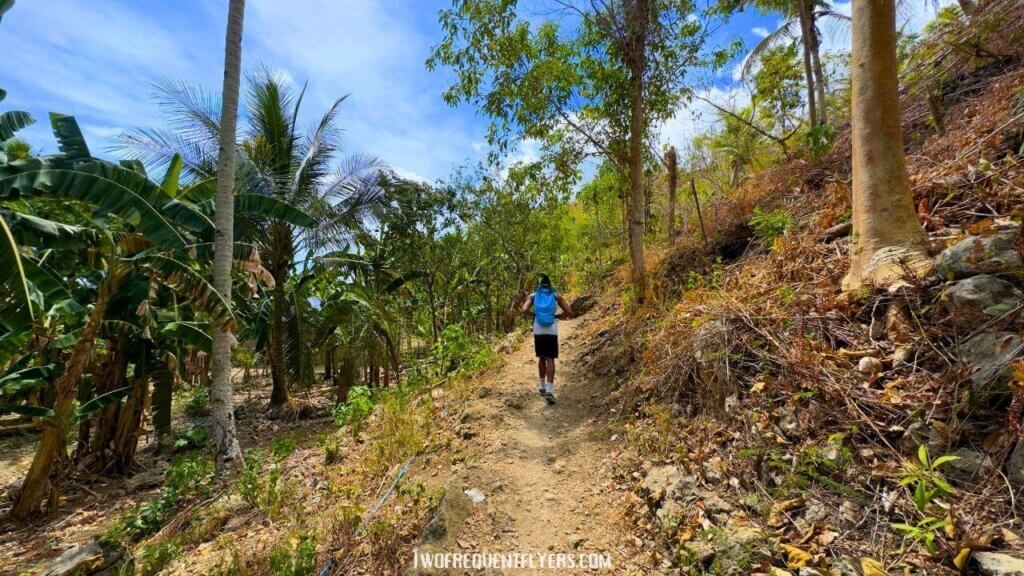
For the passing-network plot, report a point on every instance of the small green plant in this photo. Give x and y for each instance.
(186, 477)
(154, 557)
(818, 140)
(259, 483)
(355, 409)
(191, 438)
(282, 446)
(711, 278)
(331, 445)
(926, 531)
(769, 225)
(923, 479)
(296, 557)
(198, 403)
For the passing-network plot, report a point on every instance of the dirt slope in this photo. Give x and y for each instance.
(546, 471)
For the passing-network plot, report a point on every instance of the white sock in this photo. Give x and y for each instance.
(540, 384)
(549, 386)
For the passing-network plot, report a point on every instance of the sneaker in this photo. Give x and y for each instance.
(549, 397)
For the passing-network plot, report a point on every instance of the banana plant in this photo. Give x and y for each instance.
(129, 231)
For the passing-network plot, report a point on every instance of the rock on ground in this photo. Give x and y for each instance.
(978, 299)
(982, 254)
(987, 356)
(998, 564)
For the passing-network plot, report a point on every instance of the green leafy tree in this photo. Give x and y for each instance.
(596, 86)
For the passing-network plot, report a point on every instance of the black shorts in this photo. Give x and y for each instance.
(545, 345)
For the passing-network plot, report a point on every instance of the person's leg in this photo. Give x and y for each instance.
(541, 368)
(550, 372)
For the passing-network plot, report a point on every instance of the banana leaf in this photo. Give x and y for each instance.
(69, 137)
(12, 274)
(12, 121)
(109, 188)
(194, 334)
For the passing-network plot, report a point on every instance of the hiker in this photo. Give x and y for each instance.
(545, 302)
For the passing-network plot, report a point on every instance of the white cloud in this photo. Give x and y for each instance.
(698, 117)
(760, 31)
(374, 51)
(409, 175)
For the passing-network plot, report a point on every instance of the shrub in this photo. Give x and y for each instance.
(355, 409)
(198, 403)
(296, 557)
(769, 225)
(818, 140)
(282, 446)
(186, 477)
(191, 438)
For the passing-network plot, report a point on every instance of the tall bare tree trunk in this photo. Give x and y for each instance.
(278, 376)
(886, 233)
(803, 11)
(638, 21)
(672, 166)
(51, 455)
(819, 72)
(222, 390)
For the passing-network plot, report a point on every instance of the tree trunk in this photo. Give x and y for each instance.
(279, 389)
(129, 424)
(886, 233)
(819, 72)
(222, 402)
(671, 165)
(639, 18)
(109, 377)
(329, 363)
(805, 34)
(52, 452)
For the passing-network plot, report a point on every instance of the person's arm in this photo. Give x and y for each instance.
(565, 306)
(526, 306)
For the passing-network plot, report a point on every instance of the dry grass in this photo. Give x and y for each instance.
(766, 333)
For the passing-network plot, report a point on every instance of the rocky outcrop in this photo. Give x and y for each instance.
(990, 252)
(973, 301)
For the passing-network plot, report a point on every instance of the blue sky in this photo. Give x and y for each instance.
(96, 59)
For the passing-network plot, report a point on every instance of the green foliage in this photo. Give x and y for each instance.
(282, 446)
(813, 466)
(926, 531)
(356, 408)
(153, 557)
(769, 225)
(191, 438)
(924, 481)
(186, 477)
(197, 403)
(259, 483)
(818, 140)
(296, 557)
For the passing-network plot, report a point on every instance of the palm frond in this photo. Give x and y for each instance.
(788, 31)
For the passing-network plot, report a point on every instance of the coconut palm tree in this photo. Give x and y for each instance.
(801, 25)
(221, 389)
(277, 160)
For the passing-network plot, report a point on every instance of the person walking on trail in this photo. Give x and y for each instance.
(545, 303)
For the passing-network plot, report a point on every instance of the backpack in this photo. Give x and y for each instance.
(545, 305)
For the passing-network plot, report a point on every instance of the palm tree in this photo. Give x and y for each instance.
(221, 389)
(800, 25)
(275, 160)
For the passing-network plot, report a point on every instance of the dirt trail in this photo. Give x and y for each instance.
(545, 470)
